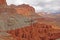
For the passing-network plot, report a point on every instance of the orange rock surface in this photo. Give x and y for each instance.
(2, 2)
(25, 10)
(36, 31)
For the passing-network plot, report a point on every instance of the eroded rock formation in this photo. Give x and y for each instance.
(3, 2)
(14, 26)
(6, 36)
(25, 10)
(36, 31)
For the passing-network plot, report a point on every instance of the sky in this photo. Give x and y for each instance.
(39, 5)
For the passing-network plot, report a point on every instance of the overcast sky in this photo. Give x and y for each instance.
(39, 5)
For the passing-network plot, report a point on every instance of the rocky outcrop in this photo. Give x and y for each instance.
(25, 10)
(3, 2)
(10, 19)
(6, 36)
(16, 25)
(36, 31)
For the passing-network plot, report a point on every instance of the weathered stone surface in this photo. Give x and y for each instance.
(25, 10)
(6, 36)
(10, 19)
(16, 25)
(3, 2)
(36, 31)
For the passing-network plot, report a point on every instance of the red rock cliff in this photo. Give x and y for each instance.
(2, 2)
(25, 10)
(36, 31)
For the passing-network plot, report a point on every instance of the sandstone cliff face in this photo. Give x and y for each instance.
(6, 36)
(11, 20)
(5, 15)
(25, 10)
(16, 25)
(3, 2)
(36, 31)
